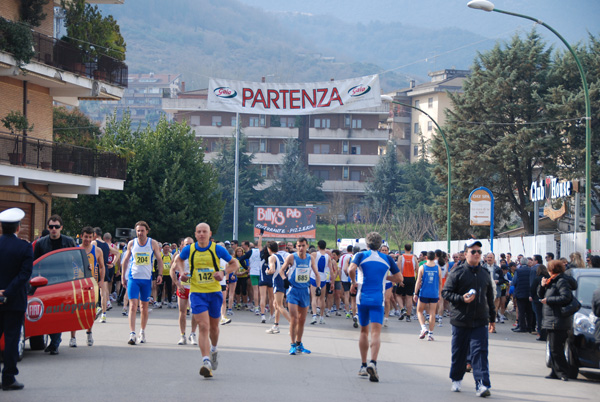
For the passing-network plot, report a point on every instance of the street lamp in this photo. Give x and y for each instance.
(389, 99)
(489, 6)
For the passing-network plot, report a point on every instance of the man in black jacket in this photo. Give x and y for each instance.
(469, 289)
(44, 245)
(17, 264)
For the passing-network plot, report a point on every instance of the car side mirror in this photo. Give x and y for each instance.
(38, 281)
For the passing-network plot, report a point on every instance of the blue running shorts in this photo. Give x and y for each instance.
(298, 296)
(368, 314)
(139, 289)
(211, 302)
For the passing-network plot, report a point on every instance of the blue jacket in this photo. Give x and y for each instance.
(16, 266)
(521, 282)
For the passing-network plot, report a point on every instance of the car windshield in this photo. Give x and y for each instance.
(64, 266)
(586, 285)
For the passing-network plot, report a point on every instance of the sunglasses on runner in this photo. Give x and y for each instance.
(53, 226)
(475, 252)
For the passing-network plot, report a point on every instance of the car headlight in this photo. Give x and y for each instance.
(583, 324)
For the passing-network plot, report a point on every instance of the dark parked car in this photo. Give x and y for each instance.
(581, 348)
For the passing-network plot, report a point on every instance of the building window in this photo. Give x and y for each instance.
(347, 120)
(253, 122)
(216, 121)
(253, 146)
(355, 175)
(355, 150)
(195, 121)
(325, 123)
(429, 126)
(263, 145)
(321, 148)
(317, 123)
(264, 170)
(416, 131)
(430, 103)
(288, 121)
(262, 120)
(233, 121)
(282, 147)
(356, 123)
(381, 150)
(417, 103)
(345, 173)
(321, 174)
(345, 147)
(416, 150)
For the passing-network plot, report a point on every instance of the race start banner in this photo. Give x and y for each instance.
(293, 98)
(285, 222)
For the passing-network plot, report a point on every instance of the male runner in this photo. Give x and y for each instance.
(344, 263)
(206, 297)
(406, 290)
(137, 277)
(276, 260)
(107, 252)
(324, 267)
(183, 295)
(368, 272)
(300, 265)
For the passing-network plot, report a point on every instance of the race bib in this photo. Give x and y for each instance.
(327, 277)
(142, 258)
(302, 275)
(205, 276)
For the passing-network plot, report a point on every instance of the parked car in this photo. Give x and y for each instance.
(62, 297)
(581, 349)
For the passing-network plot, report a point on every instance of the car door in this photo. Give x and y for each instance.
(68, 301)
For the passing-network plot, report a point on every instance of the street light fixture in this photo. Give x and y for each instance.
(389, 99)
(489, 6)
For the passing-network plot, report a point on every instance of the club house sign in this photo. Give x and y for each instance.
(551, 189)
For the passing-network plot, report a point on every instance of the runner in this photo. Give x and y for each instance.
(300, 265)
(368, 271)
(338, 289)
(165, 289)
(108, 253)
(345, 260)
(232, 281)
(276, 260)
(388, 290)
(265, 285)
(427, 293)
(137, 276)
(206, 297)
(406, 290)
(241, 290)
(324, 267)
(183, 295)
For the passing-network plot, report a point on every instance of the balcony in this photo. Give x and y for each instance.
(47, 156)
(342, 160)
(347, 134)
(344, 186)
(250, 132)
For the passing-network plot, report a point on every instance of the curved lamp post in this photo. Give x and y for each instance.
(489, 6)
(389, 99)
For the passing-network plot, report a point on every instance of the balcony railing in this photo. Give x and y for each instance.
(60, 157)
(68, 57)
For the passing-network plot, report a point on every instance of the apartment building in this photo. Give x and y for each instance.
(340, 148)
(33, 168)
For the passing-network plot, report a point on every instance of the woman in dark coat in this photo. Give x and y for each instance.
(556, 292)
(541, 272)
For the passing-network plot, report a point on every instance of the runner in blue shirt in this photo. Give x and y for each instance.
(368, 272)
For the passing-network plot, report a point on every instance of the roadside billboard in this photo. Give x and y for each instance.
(285, 222)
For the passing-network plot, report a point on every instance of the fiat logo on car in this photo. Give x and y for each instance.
(35, 309)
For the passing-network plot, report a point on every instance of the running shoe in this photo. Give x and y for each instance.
(131, 338)
(73, 343)
(318, 310)
(165, 303)
(125, 312)
(372, 371)
(502, 318)
(423, 334)
(192, 339)
(273, 330)
(385, 322)
(362, 372)
(158, 305)
(229, 311)
(430, 337)
(456, 386)
(108, 306)
(482, 391)
(348, 315)
(182, 340)
(213, 359)
(314, 320)
(257, 311)
(293, 349)
(322, 320)
(408, 318)
(102, 318)
(142, 337)
(225, 320)
(440, 322)
(338, 314)
(206, 369)
(300, 349)
(90, 339)
(263, 319)
(326, 313)
(173, 305)
(355, 319)
(98, 311)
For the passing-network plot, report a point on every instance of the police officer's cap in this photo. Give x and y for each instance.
(12, 215)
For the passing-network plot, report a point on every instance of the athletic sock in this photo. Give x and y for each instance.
(364, 364)
(374, 362)
(183, 334)
(213, 348)
(276, 324)
(204, 358)
(424, 327)
(298, 343)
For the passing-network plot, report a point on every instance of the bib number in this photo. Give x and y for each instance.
(302, 275)
(205, 277)
(142, 259)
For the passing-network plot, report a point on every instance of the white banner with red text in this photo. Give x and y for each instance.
(293, 98)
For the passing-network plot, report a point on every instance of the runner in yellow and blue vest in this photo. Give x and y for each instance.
(166, 287)
(206, 296)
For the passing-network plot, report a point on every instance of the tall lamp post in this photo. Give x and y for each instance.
(389, 99)
(489, 6)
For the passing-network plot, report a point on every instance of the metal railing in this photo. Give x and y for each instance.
(68, 57)
(60, 157)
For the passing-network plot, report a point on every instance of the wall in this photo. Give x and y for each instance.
(20, 195)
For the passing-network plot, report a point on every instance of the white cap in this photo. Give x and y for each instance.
(12, 215)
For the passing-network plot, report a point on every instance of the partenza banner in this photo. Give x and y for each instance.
(293, 99)
(285, 222)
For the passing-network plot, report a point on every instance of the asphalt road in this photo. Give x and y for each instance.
(255, 366)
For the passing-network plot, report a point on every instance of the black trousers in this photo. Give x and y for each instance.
(167, 284)
(557, 339)
(525, 315)
(10, 326)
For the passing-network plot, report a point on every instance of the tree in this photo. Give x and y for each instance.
(493, 134)
(168, 184)
(384, 187)
(294, 184)
(74, 127)
(249, 180)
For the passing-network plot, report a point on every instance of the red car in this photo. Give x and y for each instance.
(62, 297)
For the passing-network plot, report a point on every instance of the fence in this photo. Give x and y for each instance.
(560, 246)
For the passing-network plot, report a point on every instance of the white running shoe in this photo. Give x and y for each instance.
(263, 319)
(362, 372)
(273, 330)
(108, 306)
(423, 334)
(131, 340)
(142, 337)
(385, 322)
(213, 359)
(206, 369)
(90, 339)
(430, 337)
(322, 320)
(102, 318)
(314, 320)
(73, 343)
(482, 391)
(192, 339)
(456, 386)
(182, 340)
(257, 310)
(372, 370)
(225, 320)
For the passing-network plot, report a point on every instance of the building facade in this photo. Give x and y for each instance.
(33, 168)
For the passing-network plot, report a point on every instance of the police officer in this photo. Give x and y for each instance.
(17, 264)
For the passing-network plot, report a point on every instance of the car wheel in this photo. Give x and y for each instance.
(572, 361)
(548, 355)
(38, 342)
(21, 347)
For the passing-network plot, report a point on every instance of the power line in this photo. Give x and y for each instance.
(487, 123)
